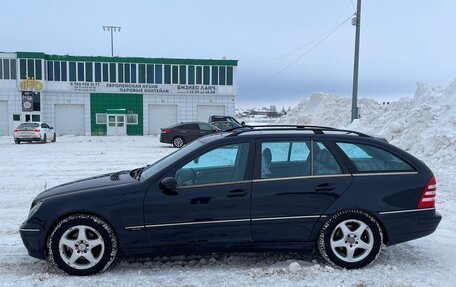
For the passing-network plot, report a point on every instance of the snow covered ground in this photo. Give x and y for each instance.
(425, 125)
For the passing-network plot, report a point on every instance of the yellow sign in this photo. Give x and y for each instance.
(31, 85)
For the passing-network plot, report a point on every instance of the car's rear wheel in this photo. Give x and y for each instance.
(350, 239)
(44, 139)
(82, 245)
(54, 138)
(17, 141)
(178, 142)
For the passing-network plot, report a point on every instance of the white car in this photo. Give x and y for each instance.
(28, 132)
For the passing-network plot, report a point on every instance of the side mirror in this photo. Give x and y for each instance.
(51, 128)
(242, 123)
(168, 183)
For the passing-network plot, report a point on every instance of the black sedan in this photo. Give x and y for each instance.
(343, 193)
(184, 133)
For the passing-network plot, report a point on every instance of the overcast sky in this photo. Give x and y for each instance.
(402, 42)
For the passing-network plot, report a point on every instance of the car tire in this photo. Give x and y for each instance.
(54, 138)
(178, 142)
(82, 245)
(351, 239)
(44, 139)
(17, 141)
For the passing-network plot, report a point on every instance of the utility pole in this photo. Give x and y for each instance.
(112, 29)
(357, 22)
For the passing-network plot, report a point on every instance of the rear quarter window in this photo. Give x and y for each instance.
(368, 158)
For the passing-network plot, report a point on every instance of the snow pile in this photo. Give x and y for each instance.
(424, 125)
(325, 109)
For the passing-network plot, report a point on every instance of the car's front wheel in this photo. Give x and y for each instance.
(54, 138)
(82, 245)
(178, 142)
(350, 239)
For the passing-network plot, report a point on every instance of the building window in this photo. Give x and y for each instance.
(72, 67)
(35, 118)
(13, 69)
(120, 72)
(222, 76)
(38, 72)
(50, 70)
(175, 75)
(141, 73)
(182, 74)
(229, 76)
(214, 75)
(80, 72)
(150, 74)
(23, 69)
(112, 72)
(5, 69)
(36, 99)
(89, 72)
(56, 71)
(132, 119)
(97, 72)
(101, 119)
(206, 75)
(127, 73)
(31, 68)
(167, 74)
(191, 75)
(158, 74)
(1, 70)
(17, 117)
(105, 72)
(133, 73)
(64, 70)
(199, 75)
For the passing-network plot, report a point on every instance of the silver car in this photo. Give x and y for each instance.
(28, 132)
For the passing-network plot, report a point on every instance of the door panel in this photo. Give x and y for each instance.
(197, 215)
(305, 198)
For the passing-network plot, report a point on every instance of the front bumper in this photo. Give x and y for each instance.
(405, 226)
(34, 238)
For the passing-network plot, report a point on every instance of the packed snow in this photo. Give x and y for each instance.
(424, 125)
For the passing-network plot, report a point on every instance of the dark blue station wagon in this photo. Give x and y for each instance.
(343, 193)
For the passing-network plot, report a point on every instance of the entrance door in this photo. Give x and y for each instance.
(116, 125)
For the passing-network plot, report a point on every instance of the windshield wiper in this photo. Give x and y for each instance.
(136, 173)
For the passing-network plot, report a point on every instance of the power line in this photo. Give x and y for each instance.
(327, 34)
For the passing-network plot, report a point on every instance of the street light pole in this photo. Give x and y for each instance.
(112, 29)
(357, 22)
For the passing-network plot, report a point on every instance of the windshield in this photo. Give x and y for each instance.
(28, 125)
(169, 159)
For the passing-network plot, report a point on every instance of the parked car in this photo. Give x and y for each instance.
(224, 119)
(224, 126)
(340, 192)
(28, 132)
(184, 133)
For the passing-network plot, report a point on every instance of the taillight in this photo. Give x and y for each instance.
(428, 197)
(36, 130)
(165, 131)
(16, 130)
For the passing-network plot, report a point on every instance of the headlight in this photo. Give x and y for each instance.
(33, 210)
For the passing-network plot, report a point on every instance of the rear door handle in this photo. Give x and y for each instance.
(325, 187)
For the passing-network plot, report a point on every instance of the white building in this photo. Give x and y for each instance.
(112, 95)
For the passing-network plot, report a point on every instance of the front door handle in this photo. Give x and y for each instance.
(237, 193)
(325, 187)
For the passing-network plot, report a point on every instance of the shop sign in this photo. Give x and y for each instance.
(31, 85)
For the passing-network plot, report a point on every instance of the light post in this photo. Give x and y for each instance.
(112, 29)
(357, 22)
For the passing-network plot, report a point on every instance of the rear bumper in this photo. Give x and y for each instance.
(165, 138)
(407, 225)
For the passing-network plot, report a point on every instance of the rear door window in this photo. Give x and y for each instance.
(285, 159)
(368, 158)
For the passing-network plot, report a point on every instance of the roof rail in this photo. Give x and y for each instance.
(316, 129)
